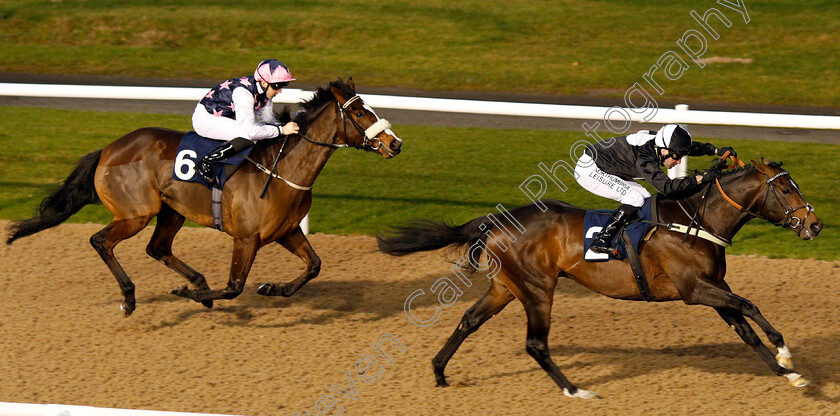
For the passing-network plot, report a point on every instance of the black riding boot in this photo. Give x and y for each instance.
(603, 241)
(225, 151)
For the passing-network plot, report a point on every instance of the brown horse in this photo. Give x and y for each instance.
(132, 177)
(550, 246)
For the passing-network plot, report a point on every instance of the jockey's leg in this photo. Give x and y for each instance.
(223, 152)
(622, 215)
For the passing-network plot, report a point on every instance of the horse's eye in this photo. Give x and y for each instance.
(786, 191)
(360, 114)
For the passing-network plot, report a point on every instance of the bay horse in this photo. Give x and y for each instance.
(132, 177)
(551, 246)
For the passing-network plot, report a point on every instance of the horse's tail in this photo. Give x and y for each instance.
(76, 192)
(426, 235)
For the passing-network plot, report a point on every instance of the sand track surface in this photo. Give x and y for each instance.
(63, 338)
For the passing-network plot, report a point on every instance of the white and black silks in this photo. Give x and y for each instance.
(635, 156)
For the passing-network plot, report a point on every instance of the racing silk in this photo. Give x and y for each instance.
(243, 100)
(635, 156)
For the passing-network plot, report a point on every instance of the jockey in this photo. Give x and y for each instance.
(608, 170)
(240, 111)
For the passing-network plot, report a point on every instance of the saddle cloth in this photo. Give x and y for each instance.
(193, 148)
(595, 220)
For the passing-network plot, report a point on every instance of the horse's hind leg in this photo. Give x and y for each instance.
(104, 242)
(298, 245)
(160, 248)
(496, 298)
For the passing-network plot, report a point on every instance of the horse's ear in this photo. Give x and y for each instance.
(766, 161)
(762, 167)
(351, 84)
(336, 90)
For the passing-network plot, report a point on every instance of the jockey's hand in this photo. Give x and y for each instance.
(721, 150)
(290, 128)
(709, 176)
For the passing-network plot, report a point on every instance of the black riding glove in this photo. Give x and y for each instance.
(721, 150)
(710, 175)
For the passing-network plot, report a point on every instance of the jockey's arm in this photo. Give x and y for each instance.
(652, 173)
(243, 102)
(702, 149)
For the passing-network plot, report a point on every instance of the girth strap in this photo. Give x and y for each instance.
(216, 208)
(636, 266)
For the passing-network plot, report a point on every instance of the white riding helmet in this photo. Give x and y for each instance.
(674, 138)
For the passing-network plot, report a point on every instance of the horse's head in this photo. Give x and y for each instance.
(361, 126)
(784, 203)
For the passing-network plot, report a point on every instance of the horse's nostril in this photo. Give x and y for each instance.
(395, 145)
(816, 227)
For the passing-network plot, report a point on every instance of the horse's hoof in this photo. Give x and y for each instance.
(442, 384)
(784, 358)
(786, 362)
(266, 289)
(796, 380)
(126, 309)
(207, 303)
(581, 394)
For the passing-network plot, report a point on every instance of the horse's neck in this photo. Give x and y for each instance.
(717, 215)
(304, 161)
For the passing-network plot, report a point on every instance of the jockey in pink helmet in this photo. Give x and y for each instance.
(240, 112)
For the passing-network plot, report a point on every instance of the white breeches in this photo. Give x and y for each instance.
(601, 183)
(216, 128)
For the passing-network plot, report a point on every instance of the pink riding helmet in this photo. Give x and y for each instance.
(272, 70)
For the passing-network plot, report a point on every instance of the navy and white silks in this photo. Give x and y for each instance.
(235, 108)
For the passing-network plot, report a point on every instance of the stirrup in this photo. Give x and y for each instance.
(604, 249)
(208, 174)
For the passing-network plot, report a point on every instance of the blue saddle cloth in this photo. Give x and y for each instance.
(194, 147)
(595, 220)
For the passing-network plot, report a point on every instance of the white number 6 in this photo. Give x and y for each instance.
(181, 161)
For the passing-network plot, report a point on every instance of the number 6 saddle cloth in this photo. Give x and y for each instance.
(193, 148)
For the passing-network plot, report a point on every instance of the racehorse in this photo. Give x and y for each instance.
(132, 177)
(551, 247)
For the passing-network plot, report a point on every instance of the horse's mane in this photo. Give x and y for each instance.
(322, 96)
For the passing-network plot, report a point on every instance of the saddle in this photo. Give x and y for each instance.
(193, 148)
(595, 220)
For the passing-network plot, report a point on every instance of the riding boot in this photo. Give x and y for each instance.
(205, 165)
(620, 218)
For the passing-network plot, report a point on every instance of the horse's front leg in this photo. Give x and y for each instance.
(296, 243)
(732, 308)
(244, 252)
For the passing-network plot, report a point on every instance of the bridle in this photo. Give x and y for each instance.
(369, 134)
(791, 221)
